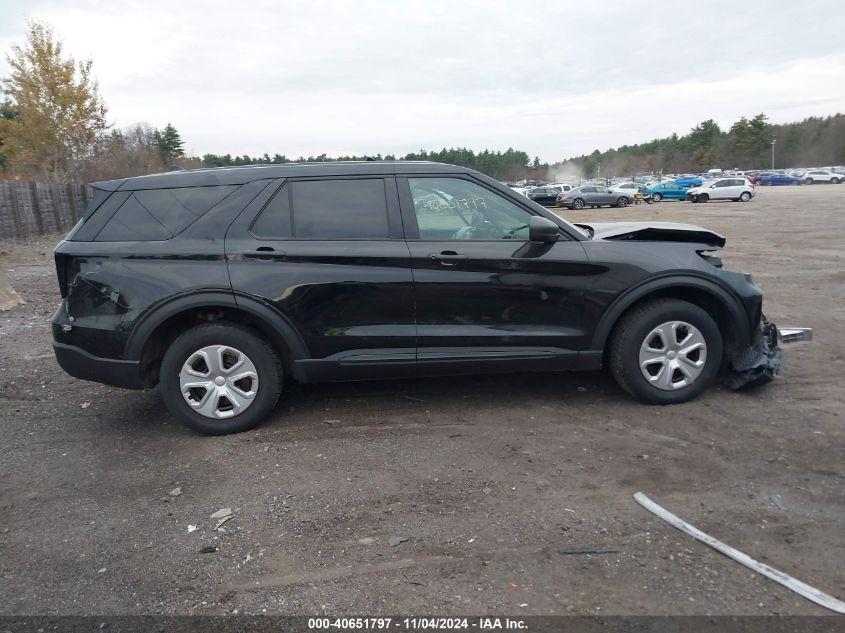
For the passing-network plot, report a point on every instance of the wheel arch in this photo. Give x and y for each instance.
(161, 325)
(716, 300)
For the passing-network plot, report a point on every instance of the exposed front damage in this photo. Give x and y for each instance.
(760, 363)
(755, 364)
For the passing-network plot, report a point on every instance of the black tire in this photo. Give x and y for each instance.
(630, 332)
(834, 181)
(260, 352)
(744, 196)
(702, 197)
(656, 197)
(809, 181)
(622, 202)
(578, 203)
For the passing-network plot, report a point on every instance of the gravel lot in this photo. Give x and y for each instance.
(488, 478)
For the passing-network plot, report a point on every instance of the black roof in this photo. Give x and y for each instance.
(241, 175)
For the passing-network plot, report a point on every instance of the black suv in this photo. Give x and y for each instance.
(220, 284)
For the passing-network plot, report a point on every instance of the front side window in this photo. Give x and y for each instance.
(458, 209)
(339, 209)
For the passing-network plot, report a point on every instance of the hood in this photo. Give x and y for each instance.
(654, 232)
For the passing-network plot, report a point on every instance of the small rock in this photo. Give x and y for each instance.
(393, 541)
(191, 528)
(331, 422)
(84, 405)
(102, 570)
(208, 549)
(222, 512)
(175, 492)
(581, 388)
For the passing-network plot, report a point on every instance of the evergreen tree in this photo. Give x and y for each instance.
(169, 143)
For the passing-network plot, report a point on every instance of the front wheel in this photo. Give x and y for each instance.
(834, 181)
(220, 378)
(665, 351)
(809, 181)
(702, 197)
(656, 197)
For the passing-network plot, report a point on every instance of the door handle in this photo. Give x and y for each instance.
(265, 253)
(447, 258)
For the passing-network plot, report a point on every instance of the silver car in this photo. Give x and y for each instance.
(593, 196)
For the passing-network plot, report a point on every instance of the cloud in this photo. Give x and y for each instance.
(554, 79)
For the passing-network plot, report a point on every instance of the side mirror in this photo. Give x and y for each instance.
(543, 230)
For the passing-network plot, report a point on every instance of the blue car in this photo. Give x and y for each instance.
(690, 181)
(668, 190)
(778, 179)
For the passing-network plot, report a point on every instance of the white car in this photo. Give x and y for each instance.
(815, 176)
(736, 189)
(562, 186)
(630, 187)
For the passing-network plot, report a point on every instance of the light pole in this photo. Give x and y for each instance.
(774, 140)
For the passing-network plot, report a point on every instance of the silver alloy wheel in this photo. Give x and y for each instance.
(218, 381)
(673, 355)
(745, 197)
(656, 197)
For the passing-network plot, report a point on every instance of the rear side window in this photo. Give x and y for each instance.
(274, 221)
(339, 209)
(159, 214)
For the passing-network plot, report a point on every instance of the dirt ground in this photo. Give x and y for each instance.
(488, 478)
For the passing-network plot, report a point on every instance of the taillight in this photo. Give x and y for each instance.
(61, 272)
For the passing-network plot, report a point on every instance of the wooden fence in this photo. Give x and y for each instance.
(28, 209)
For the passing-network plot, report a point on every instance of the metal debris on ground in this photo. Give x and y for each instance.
(175, 492)
(393, 541)
(802, 589)
(778, 502)
(222, 512)
(220, 523)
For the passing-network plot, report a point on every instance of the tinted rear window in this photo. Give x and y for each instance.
(274, 220)
(159, 214)
(339, 209)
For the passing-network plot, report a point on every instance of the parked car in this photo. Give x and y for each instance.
(223, 286)
(760, 175)
(736, 189)
(689, 181)
(593, 196)
(667, 190)
(778, 180)
(818, 176)
(628, 186)
(547, 196)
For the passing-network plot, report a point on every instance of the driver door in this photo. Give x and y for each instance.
(483, 292)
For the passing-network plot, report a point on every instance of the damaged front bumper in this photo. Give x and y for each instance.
(760, 363)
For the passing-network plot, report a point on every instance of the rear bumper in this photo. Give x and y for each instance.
(80, 364)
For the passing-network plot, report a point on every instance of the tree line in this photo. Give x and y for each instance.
(747, 144)
(510, 164)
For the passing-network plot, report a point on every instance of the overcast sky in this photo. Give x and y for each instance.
(555, 79)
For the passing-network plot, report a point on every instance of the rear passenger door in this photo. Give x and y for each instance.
(330, 255)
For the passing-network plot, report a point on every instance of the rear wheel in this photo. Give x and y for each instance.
(220, 378)
(578, 203)
(809, 181)
(622, 202)
(665, 351)
(745, 196)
